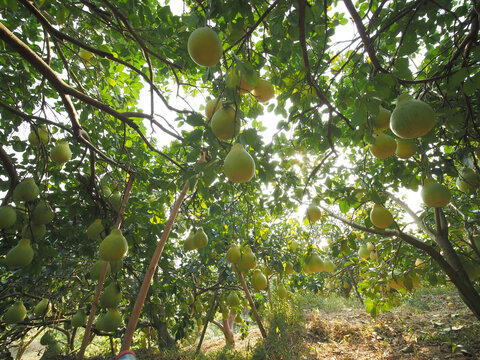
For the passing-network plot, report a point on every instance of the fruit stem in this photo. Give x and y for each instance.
(250, 301)
(132, 323)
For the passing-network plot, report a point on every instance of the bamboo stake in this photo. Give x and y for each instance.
(250, 301)
(132, 323)
(86, 336)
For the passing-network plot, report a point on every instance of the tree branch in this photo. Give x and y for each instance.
(367, 42)
(323, 99)
(12, 173)
(410, 212)
(63, 88)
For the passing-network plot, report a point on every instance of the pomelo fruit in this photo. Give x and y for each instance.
(204, 47)
(411, 118)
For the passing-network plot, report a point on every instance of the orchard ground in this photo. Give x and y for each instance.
(432, 323)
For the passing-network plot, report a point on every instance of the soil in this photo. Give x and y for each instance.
(443, 329)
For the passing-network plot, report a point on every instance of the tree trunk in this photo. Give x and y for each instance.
(228, 328)
(164, 339)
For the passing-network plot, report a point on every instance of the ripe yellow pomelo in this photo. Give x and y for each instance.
(264, 91)
(411, 118)
(204, 47)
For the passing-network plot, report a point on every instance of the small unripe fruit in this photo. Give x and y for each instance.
(383, 147)
(225, 123)
(42, 214)
(264, 91)
(95, 229)
(435, 194)
(259, 281)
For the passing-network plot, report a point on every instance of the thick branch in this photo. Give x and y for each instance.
(137, 308)
(250, 301)
(12, 173)
(323, 99)
(367, 42)
(410, 212)
(63, 88)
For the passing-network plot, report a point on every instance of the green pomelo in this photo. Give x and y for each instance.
(95, 229)
(225, 123)
(204, 47)
(263, 91)
(111, 296)
(200, 239)
(282, 291)
(435, 194)
(116, 265)
(380, 217)
(42, 214)
(41, 135)
(381, 121)
(383, 147)
(96, 269)
(363, 252)
(411, 118)
(316, 263)
(405, 149)
(288, 268)
(248, 259)
(47, 338)
(15, 313)
(328, 265)
(233, 300)
(189, 243)
(468, 180)
(61, 153)
(79, 319)
(20, 255)
(233, 254)
(313, 213)
(27, 190)
(110, 321)
(113, 247)
(33, 231)
(239, 166)
(116, 200)
(211, 107)
(42, 308)
(259, 281)
(8, 216)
